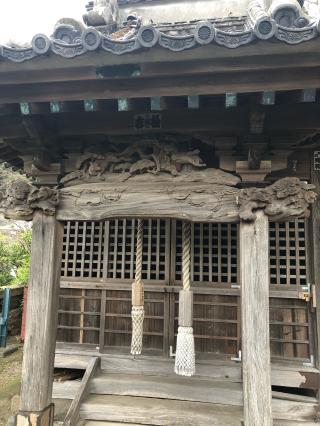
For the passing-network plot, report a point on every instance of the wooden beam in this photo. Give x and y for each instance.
(258, 56)
(315, 224)
(268, 98)
(72, 416)
(254, 270)
(157, 103)
(34, 108)
(42, 314)
(90, 105)
(148, 197)
(308, 95)
(194, 102)
(279, 118)
(124, 104)
(231, 100)
(172, 85)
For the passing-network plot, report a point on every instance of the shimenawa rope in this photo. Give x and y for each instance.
(137, 313)
(185, 352)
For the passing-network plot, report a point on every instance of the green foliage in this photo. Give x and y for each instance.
(15, 259)
(14, 252)
(6, 265)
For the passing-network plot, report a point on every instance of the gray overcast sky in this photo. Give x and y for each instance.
(20, 20)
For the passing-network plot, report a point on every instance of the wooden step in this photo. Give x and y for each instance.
(97, 423)
(158, 412)
(102, 423)
(174, 389)
(171, 388)
(146, 410)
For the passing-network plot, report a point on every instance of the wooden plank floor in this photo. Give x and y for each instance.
(147, 392)
(102, 423)
(144, 397)
(282, 374)
(162, 412)
(158, 412)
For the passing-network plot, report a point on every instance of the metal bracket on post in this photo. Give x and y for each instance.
(237, 359)
(172, 354)
(311, 363)
(305, 294)
(4, 317)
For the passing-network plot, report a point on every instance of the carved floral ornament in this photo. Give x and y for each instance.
(290, 21)
(158, 180)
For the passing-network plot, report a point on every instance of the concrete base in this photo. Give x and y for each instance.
(43, 418)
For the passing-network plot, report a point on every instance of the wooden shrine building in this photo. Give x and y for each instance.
(174, 148)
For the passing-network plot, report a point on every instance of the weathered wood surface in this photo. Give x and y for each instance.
(281, 375)
(173, 388)
(254, 261)
(160, 412)
(200, 197)
(151, 411)
(208, 391)
(72, 361)
(276, 423)
(213, 83)
(278, 118)
(42, 313)
(72, 416)
(156, 62)
(19, 199)
(315, 220)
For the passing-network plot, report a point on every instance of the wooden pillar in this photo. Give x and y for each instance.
(315, 218)
(254, 265)
(41, 325)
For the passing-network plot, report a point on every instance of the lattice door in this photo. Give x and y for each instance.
(98, 268)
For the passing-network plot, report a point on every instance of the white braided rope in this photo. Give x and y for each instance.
(186, 255)
(138, 275)
(137, 313)
(185, 364)
(185, 353)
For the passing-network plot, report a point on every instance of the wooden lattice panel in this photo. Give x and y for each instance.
(214, 249)
(288, 253)
(290, 329)
(216, 323)
(79, 316)
(82, 254)
(122, 245)
(118, 320)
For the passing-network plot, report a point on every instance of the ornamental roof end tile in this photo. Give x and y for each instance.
(288, 21)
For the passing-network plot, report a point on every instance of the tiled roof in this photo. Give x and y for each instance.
(285, 21)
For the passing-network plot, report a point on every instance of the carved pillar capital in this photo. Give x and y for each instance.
(286, 199)
(19, 199)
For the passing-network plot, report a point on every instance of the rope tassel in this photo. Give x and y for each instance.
(185, 352)
(137, 313)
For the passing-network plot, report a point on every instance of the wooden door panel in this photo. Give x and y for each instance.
(216, 324)
(118, 320)
(104, 252)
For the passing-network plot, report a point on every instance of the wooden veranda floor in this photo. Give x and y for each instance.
(147, 392)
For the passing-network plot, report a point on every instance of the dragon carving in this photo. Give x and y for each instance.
(145, 157)
(288, 197)
(19, 199)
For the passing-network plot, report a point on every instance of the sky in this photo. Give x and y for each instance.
(20, 20)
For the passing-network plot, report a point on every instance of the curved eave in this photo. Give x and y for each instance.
(149, 38)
